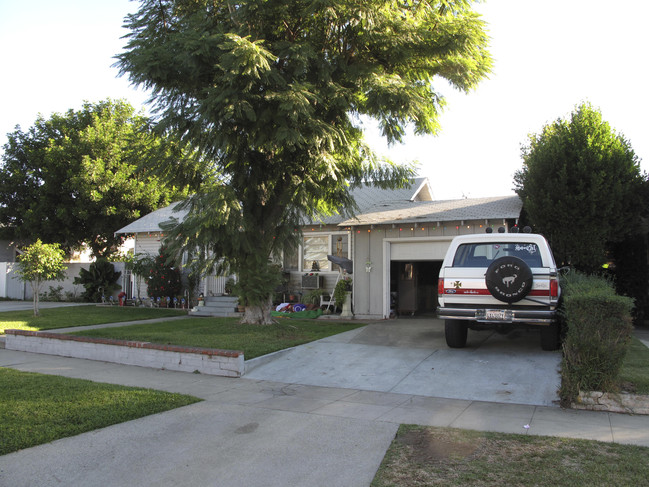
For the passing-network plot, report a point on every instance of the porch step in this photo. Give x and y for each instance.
(218, 306)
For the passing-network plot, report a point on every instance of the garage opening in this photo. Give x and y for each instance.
(413, 287)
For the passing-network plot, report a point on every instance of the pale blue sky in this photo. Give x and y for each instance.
(550, 55)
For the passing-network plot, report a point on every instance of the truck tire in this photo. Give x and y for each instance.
(509, 279)
(455, 332)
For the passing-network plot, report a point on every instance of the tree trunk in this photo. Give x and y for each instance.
(36, 286)
(258, 314)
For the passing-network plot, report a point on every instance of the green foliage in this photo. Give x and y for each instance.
(139, 265)
(99, 280)
(313, 296)
(163, 279)
(631, 270)
(582, 187)
(598, 330)
(342, 287)
(230, 283)
(77, 177)
(270, 95)
(38, 263)
(54, 294)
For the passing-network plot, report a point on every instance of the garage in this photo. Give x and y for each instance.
(398, 248)
(414, 269)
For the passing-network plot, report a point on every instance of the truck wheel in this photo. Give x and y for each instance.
(509, 279)
(550, 337)
(456, 333)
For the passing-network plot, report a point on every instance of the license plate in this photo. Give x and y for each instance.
(495, 314)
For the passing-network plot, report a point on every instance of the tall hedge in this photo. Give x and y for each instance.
(598, 329)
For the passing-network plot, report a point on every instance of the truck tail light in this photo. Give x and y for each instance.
(440, 287)
(554, 287)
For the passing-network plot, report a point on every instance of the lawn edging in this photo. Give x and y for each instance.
(225, 363)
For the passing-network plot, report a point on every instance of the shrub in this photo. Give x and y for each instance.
(164, 279)
(99, 280)
(54, 294)
(598, 329)
(342, 287)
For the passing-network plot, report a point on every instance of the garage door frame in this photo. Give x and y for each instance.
(390, 246)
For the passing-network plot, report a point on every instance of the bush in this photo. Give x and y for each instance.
(164, 279)
(54, 294)
(99, 280)
(598, 330)
(341, 289)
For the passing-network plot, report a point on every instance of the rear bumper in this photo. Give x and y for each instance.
(539, 317)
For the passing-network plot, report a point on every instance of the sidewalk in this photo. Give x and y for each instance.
(266, 433)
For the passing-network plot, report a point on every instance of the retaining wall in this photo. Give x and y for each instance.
(227, 363)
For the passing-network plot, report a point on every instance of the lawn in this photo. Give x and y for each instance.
(227, 333)
(37, 408)
(52, 318)
(426, 456)
(634, 376)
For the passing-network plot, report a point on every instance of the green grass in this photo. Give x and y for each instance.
(52, 318)
(634, 375)
(227, 333)
(426, 456)
(37, 408)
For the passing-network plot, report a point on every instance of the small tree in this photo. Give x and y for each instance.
(39, 263)
(164, 279)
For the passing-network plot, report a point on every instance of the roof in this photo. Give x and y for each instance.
(381, 206)
(368, 197)
(490, 208)
(152, 221)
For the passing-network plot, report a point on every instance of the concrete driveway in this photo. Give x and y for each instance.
(410, 356)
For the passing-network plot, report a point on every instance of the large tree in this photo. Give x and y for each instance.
(77, 177)
(272, 95)
(582, 186)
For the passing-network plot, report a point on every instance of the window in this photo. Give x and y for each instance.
(315, 249)
(483, 254)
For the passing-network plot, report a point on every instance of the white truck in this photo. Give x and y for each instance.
(499, 280)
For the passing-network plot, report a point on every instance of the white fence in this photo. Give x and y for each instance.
(13, 288)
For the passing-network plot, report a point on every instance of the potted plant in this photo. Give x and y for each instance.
(229, 286)
(342, 290)
(313, 296)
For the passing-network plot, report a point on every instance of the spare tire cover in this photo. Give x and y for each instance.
(509, 279)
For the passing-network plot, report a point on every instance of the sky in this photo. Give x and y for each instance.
(549, 57)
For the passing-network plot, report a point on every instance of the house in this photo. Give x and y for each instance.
(396, 241)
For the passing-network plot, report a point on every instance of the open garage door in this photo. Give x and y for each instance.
(414, 270)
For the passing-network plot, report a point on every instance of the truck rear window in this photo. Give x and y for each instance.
(483, 254)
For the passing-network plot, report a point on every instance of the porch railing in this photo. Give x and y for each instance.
(215, 285)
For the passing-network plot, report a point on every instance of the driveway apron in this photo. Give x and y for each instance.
(410, 356)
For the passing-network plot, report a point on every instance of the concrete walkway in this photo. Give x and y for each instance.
(263, 433)
(260, 432)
